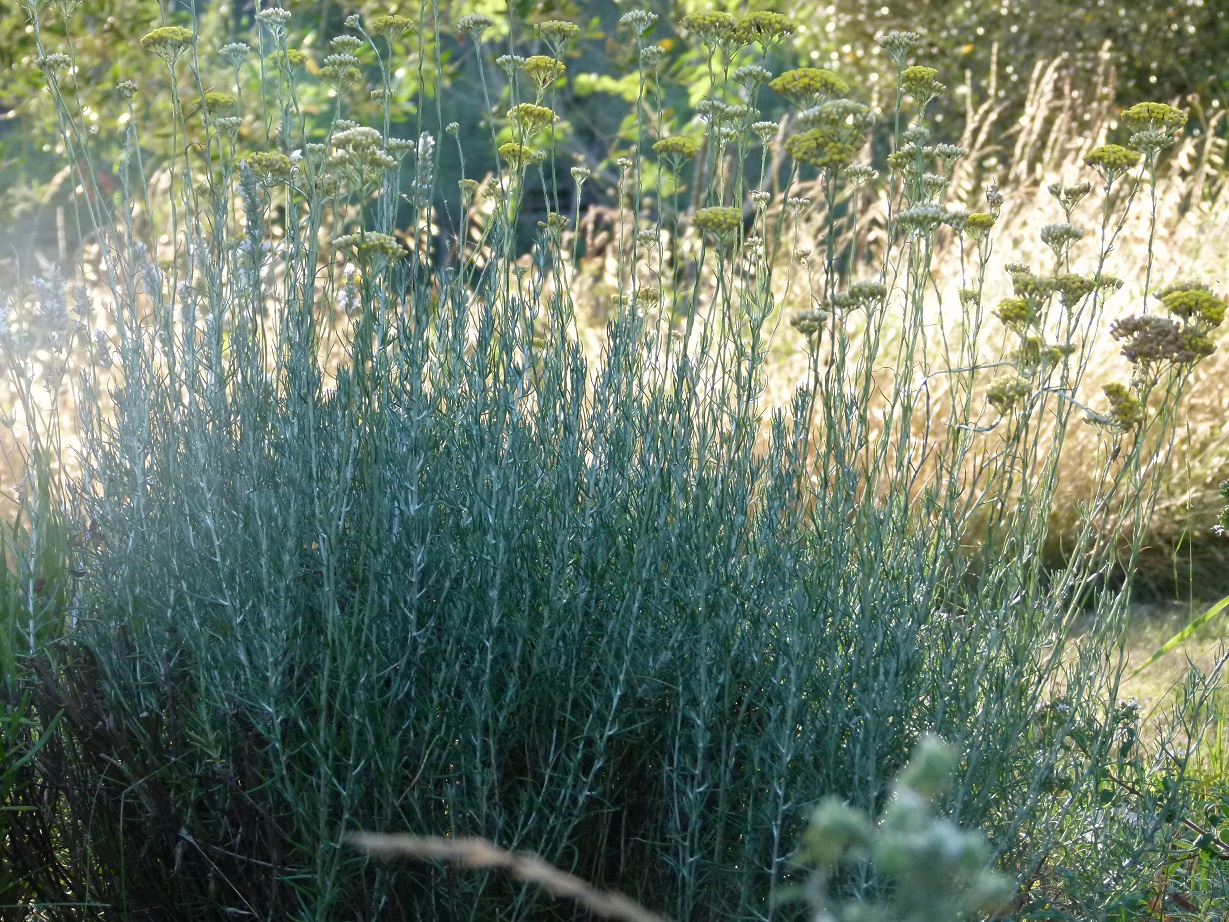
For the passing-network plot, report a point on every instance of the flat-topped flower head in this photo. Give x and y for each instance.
(1149, 340)
(867, 294)
(978, 224)
(358, 137)
(678, 147)
(1154, 125)
(372, 249)
(1016, 314)
(809, 86)
(167, 42)
(1157, 116)
(346, 44)
(215, 104)
(469, 188)
(948, 154)
(847, 120)
(288, 60)
(1112, 161)
(543, 70)
(54, 64)
(920, 83)
(509, 64)
(1192, 300)
(558, 34)
(764, 28)
(234, 53)
(1027, 284)
(399, 148)
(1059, 237)
(751, 77)
(274, 19)
(922, 218)
(721, 222)
(270, 166)
(531, 118)
(821, 149)
(1072, 288)
(341, 69)
(391, 26)
(518, 156)
(715, 29)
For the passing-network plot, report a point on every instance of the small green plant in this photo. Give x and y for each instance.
(930, 870)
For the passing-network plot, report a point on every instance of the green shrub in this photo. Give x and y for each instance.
(455, 575)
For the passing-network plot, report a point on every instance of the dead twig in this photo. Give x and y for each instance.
(479, 853)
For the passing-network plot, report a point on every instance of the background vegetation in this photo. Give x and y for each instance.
(622, 526)
(1035, 86)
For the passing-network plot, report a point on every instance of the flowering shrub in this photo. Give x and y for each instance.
(375, 539)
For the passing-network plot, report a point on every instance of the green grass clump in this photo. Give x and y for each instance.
(374, 543)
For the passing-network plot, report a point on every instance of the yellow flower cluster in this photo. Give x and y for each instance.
(1072, 288)
(1193, 300)
(920, 83)
(270, 165)
(1028, 285)
(1126, 410)
(371, 247)
(518, 156)
(711, 28)
(678, 146)
(391, 26)
(1016, 314)
(557, 31)
(469, 188)
(722, 30)
(290, 59)
(1112, 160)
(167, 42)
(807, 86)
(721, 222)
(978, 224)
(531, 118)
(763, 26)
(218, 103)
(1154, 116)
(543, 70)
(820, 149)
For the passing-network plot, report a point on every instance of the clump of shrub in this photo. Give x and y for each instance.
(434, 567)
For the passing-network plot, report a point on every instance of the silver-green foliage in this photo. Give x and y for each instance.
(620, 613)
